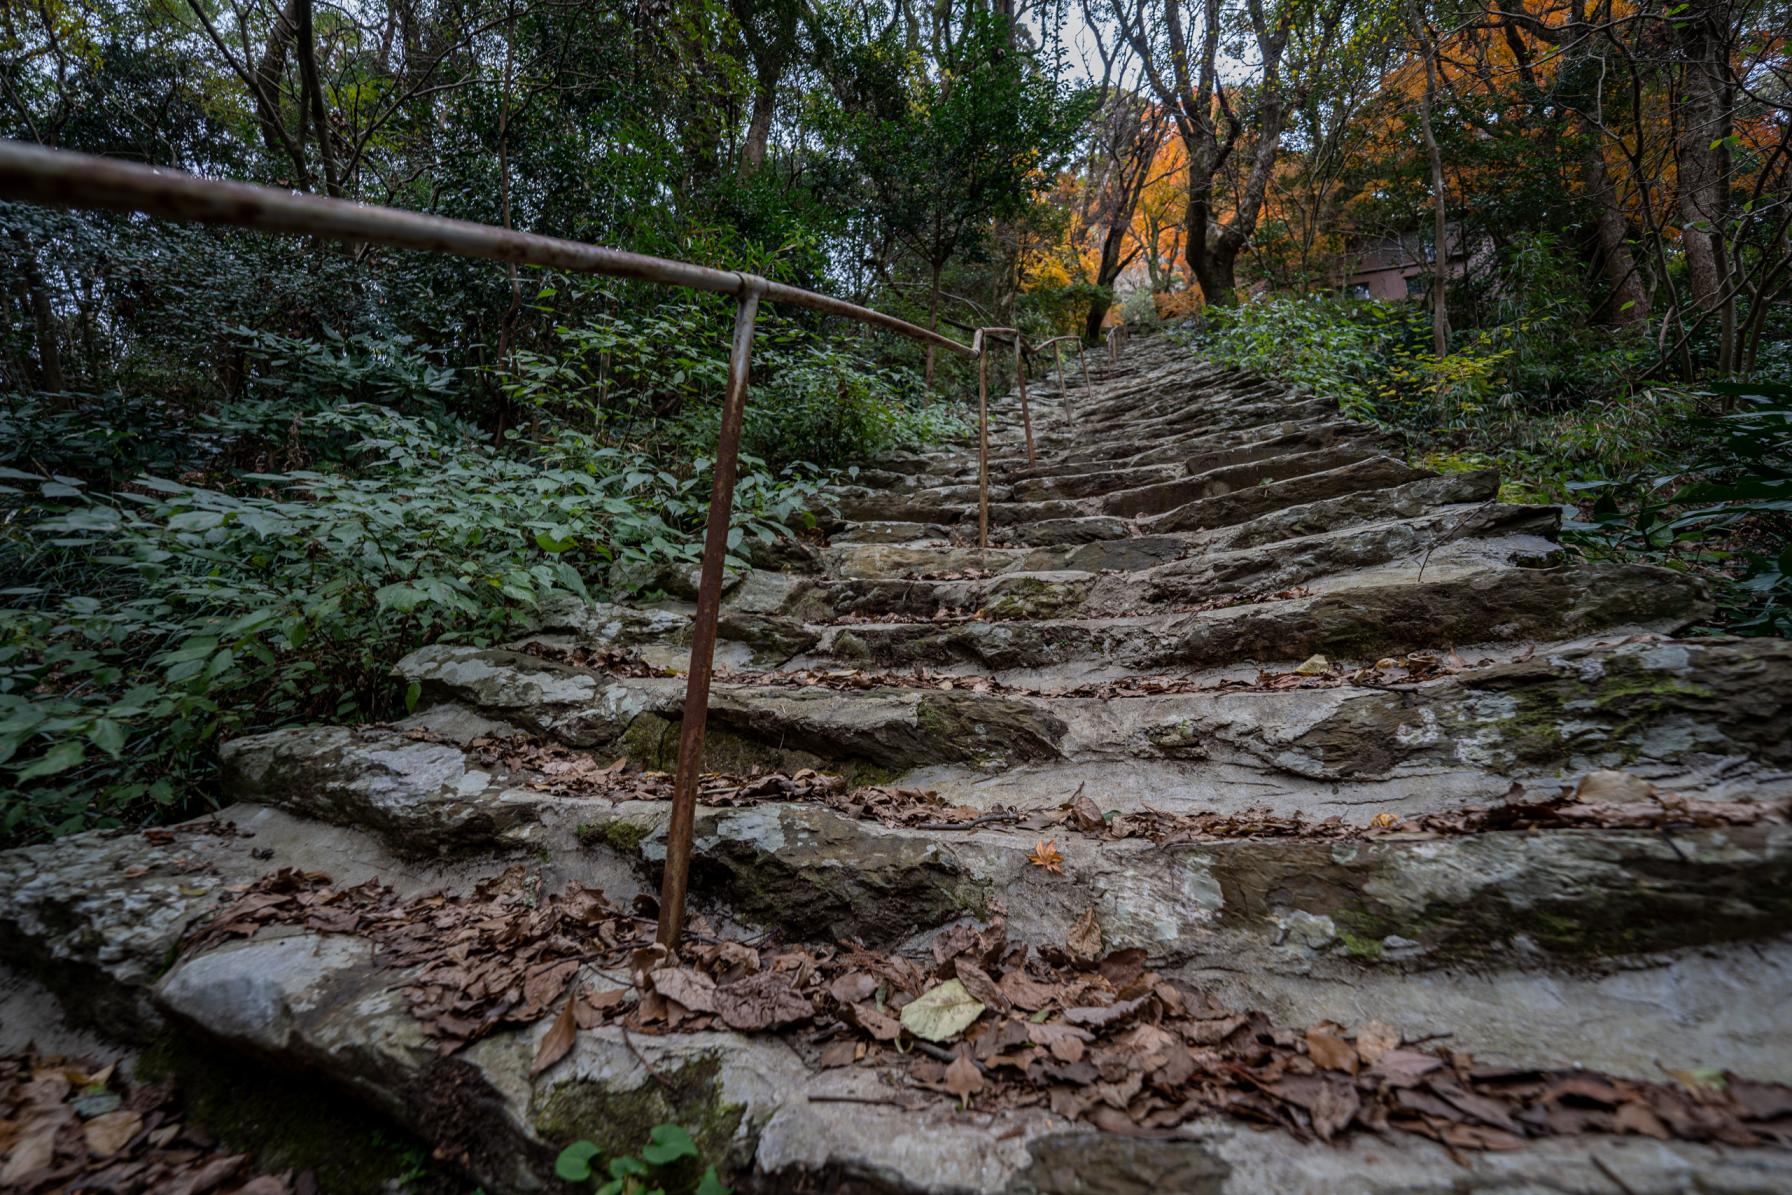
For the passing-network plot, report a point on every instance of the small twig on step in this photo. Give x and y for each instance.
(988, 819)
(642, 1059)
(858, 1099)
(1605, 1169)
(942, 1054)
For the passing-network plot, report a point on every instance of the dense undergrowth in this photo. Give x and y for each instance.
(1693, 477)
(176, 576)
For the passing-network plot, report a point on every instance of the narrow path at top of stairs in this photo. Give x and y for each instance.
(1235, 692)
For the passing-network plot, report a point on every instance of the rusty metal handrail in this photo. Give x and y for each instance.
(58, 178)
(1021, 350)
(1056, 345)
(1116, 338)
(1020, 381)
(1021, 347)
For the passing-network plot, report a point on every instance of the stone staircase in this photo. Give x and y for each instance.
(1207, 597)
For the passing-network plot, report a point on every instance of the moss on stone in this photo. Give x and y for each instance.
(984, 729)
(825, 875)
(619, 1122)
(1360, 945)
(286, 1121)
(622, 835)
(651, 741)
(1627, 895)
(1022, 598)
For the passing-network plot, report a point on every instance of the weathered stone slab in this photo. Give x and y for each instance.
(422, 797)
(1562, 897)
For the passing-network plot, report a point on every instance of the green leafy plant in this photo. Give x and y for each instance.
(158, 619)
(665, 1165)
(1728, 510)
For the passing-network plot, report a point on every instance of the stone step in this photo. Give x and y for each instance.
(874, 562)
(1019, 591)
(1566, 898)
(1371, 473)
(1702, 719)
(316, 1002)
(1407, 501)
(1175, 488)
(1376, 613)
(891, 532)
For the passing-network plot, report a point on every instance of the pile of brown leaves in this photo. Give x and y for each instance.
(950, 574)
(67, 1125)
(854, 680)
(503, 955)
(1560, 811)
(1101, 1038)
(1405, 670)
(564, 771)
(943, 614)
(613, 660)
(1411, 669)
(1228, 600)
(1092, 1034)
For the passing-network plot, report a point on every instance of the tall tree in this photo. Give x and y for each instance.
(1221, 119)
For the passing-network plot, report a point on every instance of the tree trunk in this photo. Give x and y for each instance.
(1213, 270)
(1440, 223)
(268, 73)
(1627, 301)
(759, 129)
(1217, 274)
(933, 318)
(43, 317)
(1700, 155)
(314, 97)
(507, 325)
(1105, 273)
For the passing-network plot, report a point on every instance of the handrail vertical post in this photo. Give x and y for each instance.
(983, 446)
(1020, 380)
(703, 630)
(1064, 382)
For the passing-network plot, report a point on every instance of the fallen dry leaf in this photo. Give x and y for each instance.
(1374, 1039)
(693, 989)
(963, 1079)
(1084, 942)
(556, 1042)
(106, 1135)
(1046, 855)
(1023, 992)
(1329, 1050)
(763, 1001)
(981, 987)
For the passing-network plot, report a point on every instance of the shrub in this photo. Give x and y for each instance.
(165, 617)
(656, 379)
(1658, 473)
(1139, 308)
(1728, 510)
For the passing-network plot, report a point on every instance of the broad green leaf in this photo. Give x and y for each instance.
(59, 758)
(574, 1162)
(669, 1142)
(108, 736)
